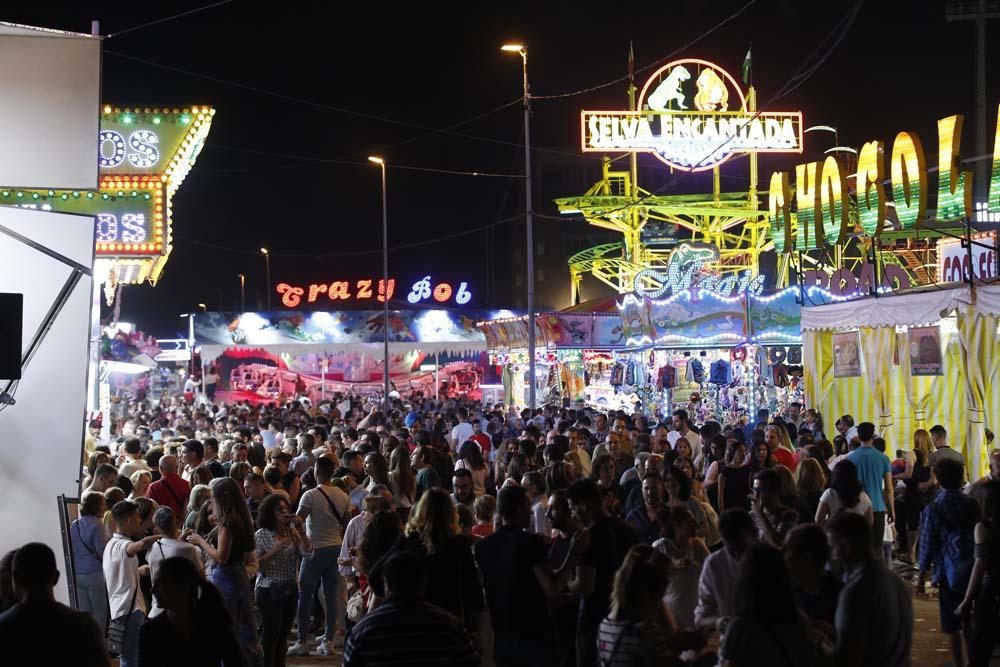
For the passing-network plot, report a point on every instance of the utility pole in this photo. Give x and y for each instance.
(978, 12)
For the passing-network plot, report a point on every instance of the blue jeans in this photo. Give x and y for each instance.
(92, 598)
(234, 585)
(320, 567)
(130, 656)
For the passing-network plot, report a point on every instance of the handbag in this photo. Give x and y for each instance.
(118, 628)
(357, 605)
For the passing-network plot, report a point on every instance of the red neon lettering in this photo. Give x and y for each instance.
(339, 290)
(381, 289)
(442, 292)
(315, 290)
(290, 296)
(364, 289)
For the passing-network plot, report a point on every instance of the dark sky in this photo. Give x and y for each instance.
(260, 179)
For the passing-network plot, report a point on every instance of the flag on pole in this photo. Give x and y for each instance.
(746, 67)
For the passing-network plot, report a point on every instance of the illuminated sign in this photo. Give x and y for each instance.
(843, 282)
(688, 269)
(692, 116)
(955, 264)
(422, 291)
(821, 191)
(128, 222)
(146, 140)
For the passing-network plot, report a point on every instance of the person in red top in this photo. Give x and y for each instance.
(782, 455)
(170, 490)
(484, 441)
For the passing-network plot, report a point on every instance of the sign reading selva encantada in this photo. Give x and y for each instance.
(693, 116)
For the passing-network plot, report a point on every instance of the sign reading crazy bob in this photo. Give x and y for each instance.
(693, 116)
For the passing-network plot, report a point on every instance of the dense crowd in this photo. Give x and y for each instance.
(452, 532)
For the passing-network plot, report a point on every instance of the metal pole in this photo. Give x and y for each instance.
(191, 343)
(267, 263)
(385, 294)
(530, 240)
(243, 292)
(981, 180)
(437, 376)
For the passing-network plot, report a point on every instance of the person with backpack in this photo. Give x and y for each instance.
(981, 606)
(947, 543)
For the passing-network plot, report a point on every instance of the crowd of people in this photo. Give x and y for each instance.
(452, 532)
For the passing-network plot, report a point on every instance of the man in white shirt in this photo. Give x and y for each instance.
(463, 430)
(534, 483)
(169, 546)
(326, 511)
(717, 585)
(122, 572)
(682, 430)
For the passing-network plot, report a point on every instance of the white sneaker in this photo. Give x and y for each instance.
(298, 648)
(326, 648)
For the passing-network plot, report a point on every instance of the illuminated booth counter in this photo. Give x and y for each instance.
(721, 358)
(264, 356)
(573, 353)
(909, 361)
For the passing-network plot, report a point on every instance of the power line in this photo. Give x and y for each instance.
(667, 58)
(356, 253)
(168, 18)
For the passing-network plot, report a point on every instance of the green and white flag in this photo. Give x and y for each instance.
(746, 68)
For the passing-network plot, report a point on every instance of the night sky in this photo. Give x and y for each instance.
(285, 166)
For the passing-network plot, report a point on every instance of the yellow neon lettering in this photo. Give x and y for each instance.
(871, 173)
(779, 197)
(832, 226)
(807, 200)
(908, 171)
(954, 199)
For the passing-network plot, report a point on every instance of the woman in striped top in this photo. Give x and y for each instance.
(638, 629)
(279, 545)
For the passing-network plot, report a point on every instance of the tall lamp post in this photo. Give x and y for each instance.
(243, 292)
(385, 287)
(267, 265)
(530, 240)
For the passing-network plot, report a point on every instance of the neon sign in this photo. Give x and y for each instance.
(956, 265)
(717, 128)
(821, 191)
(843, 282)
(687, 269)
(422, 291)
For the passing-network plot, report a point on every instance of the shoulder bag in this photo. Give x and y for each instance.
(118, 628)
(338, 515)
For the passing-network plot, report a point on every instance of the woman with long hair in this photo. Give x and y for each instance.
(817, 453)
(195, 629)
(199, 495)
(402, 480)
(452, 580)
(470, 457)
(809, 485)
(88, 539)
(760, 457)
(734, 477)
(279, 546)
(844, 495)
(376, 471)
(982, 596)
(789, 492)
(232, 548)
(603, 471)
(382, 532)
(765, 628)
(638, 629)
(919, 480)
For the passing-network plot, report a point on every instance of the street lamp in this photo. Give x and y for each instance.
(203, 307)
(243, 292)
(267, 264)
(530, 240)
(385, 287)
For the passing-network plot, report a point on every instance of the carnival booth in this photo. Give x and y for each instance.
(909, 361)
(266, 356)
(574, 355)
(719, 357)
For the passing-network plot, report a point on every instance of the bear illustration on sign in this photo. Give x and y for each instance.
(669, 90)
(712, 92)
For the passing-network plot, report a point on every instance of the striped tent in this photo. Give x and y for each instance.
(964, 398)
